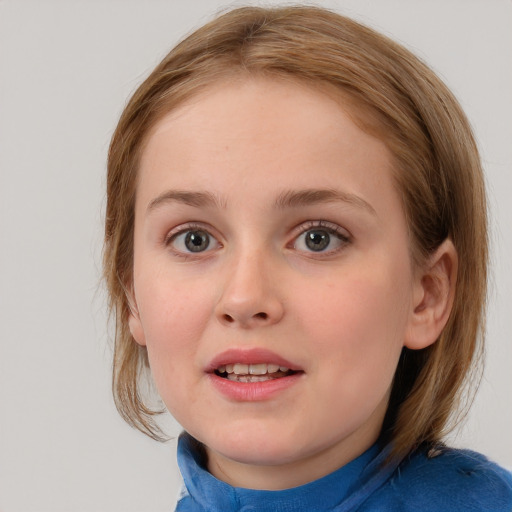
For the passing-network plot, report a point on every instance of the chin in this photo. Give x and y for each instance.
(269, 455)
(255, 448)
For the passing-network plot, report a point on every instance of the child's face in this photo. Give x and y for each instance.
(268, 231)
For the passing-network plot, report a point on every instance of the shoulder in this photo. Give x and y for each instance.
(455, 480)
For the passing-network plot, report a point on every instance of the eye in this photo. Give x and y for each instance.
(193, 241)
(321, 238)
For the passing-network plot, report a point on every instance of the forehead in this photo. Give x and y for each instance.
(261, 111)
(265, 133)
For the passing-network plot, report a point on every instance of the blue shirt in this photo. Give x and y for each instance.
(455, 480)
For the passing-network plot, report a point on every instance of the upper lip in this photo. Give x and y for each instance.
(249, 356)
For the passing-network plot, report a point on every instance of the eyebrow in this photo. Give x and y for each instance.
(298, 198)
(196, 199)
(286, 199)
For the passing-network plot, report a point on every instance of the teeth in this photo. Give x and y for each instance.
(258, 369)
(249, 378)
(251, 369)
(241, 369)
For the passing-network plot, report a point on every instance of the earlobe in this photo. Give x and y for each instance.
(434, 292)
(134, 322)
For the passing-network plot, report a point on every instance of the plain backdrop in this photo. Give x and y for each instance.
(66, 70)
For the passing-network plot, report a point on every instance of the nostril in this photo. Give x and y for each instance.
(229, 318)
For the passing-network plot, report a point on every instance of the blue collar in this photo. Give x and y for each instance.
(343, 490)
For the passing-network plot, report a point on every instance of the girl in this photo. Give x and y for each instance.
(296, 247)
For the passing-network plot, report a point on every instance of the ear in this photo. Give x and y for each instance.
(434, 292)
(134, 322)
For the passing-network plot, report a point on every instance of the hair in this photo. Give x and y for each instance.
(437, 169)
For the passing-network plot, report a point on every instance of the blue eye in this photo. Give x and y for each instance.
(193, 241)
(320, 239)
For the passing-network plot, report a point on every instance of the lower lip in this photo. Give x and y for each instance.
(253, 391)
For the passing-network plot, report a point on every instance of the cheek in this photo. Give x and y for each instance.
(174, 318)
(174, 315)
(359, 318)
(357, 330)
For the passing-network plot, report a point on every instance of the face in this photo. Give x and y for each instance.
(272, 279)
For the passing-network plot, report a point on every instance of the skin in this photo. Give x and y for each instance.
(342, 315)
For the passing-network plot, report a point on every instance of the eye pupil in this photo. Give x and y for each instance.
(197, 241)
(317, 240)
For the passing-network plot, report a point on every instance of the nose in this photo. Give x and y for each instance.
(249, 295)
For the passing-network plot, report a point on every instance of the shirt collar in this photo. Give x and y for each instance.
(344, 489)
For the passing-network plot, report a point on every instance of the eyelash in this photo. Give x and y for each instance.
(302, 229)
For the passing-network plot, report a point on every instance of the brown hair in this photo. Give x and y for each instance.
(396, 97)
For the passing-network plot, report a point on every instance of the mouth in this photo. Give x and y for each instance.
(252, 365)
(253, 372)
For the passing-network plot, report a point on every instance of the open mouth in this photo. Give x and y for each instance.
(260, 372)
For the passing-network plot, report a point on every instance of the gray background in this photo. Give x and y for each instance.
(66, 70)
